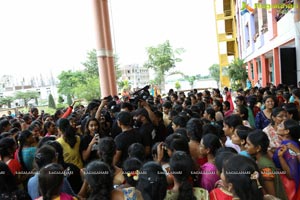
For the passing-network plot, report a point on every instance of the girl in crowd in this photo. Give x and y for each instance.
(88, 144)
(227, 109)
(277, 117)
(242, 111)
(99, 178)
(8, 148)
(217, 106)
(292, 111)
(182, 168)
(286, 159)
(50, 129)
(131, 172)
(26, 150)
(8, 186)
(242, 178)
(72, 171)
(239, 137)
(51, 179)
(263, 118)
(230, 123)
(45, 155)
(106, 152)
(70, 143)
(257, 146)
(152, 182)
(208, 147)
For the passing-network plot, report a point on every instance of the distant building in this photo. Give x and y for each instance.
(8, 88)
(138, 76)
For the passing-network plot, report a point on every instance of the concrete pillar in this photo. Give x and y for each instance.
(255, 70)
(264, 71)
(276, 64)
(104, 49)
(249, 71)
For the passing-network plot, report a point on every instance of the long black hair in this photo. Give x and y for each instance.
(152, 182)
(238, 170)
(22, 141)
(182, 165)
(106, 150)
(100, 180)
(68, 131)
(50, 179)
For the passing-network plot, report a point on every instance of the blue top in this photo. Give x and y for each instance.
(33, 187)
(245, 153)
(261, 121)
(28, 157)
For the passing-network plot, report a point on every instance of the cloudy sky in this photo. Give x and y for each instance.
(43, 36)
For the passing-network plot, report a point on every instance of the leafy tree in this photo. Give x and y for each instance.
(177, 85)
(51, 102)
(237, 72)
(214, 71)
(6, 101)
(162, 58)
(91, 64)
(69, 80)
(26, 96)
(88, 91)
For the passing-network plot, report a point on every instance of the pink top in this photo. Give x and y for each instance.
(208, 176)
(273, 137)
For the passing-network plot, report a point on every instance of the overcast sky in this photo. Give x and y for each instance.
(43, 36)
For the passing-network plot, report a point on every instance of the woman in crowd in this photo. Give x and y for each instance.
(181, 165)
(208, 171)
(26, 150)
(257, 146)
(152, 182)
(70, 143)
(286, 158)
(88, 144)
(51, 179)
(277, 117)
(263, 118)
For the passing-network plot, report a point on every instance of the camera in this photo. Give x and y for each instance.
(142, 94)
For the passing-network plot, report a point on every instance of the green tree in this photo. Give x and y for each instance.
(125, 84)
(162, 58)
(91, 64)
(237, 72)
(214, 71)
(69, 80)
(26, 96)
(88, 91)
(6, 101)
(177, 85)
(51, 102)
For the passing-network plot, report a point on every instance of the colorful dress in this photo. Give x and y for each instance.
(273, 137)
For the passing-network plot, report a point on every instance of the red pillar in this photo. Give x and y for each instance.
(104, 49)
(255, 70)
(276, 66)
(265, 70)
(249, 71)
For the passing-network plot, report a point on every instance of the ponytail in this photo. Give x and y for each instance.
(186, 191)
(68, 131)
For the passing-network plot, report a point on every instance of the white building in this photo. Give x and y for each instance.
(138, 76)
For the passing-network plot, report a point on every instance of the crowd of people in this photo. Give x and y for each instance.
(185, 146)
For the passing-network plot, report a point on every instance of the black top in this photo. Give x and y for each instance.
(86, 139)
(123, 141)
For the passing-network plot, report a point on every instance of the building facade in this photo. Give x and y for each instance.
(226, 36)
(266, 40)
(138, 76)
